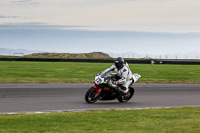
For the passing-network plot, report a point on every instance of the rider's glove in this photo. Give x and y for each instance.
(116, 82)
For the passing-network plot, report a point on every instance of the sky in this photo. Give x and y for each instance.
(152, 27)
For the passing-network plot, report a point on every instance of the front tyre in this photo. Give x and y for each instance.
(90, 96)
(126, 97)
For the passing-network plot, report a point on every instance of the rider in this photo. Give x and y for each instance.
(123, 72)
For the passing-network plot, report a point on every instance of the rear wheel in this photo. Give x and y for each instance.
(126, 97)
(90, 96)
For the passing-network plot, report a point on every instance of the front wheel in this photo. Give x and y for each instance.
(90, 96)
(128, 96)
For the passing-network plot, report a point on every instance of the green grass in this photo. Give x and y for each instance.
(70, 72)
(172, 120)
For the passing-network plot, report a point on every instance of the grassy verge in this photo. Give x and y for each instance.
(68, 72)
(173, 120)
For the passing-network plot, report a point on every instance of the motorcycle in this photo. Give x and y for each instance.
(105, 89)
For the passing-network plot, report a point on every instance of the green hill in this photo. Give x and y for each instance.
(71, 55)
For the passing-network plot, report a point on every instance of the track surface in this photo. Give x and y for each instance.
(69, 97)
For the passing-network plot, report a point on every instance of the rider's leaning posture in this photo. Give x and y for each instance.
(123, 72)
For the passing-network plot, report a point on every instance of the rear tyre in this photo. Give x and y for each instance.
(126, 97)
(90, 96)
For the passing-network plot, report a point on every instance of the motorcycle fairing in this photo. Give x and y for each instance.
(98, 89)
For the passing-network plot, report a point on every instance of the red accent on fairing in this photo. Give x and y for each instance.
(118, 82)
(96, 86)
(98, 89)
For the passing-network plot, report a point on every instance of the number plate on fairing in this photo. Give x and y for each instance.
(98, 80)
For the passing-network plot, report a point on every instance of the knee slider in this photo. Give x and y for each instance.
(123, 88)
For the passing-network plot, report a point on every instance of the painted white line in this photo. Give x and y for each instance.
(91, 109)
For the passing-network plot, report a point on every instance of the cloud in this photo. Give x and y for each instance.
(133, 15)
(9, 16)
(22, 2)
(35, 25)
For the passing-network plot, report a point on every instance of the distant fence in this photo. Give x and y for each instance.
(178, 62)
(142, 61)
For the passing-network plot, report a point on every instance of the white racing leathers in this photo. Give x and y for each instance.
(125, 74)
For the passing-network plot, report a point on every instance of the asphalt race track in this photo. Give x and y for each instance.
(71, 97)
